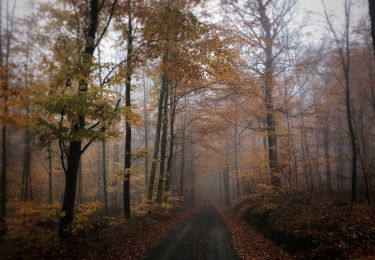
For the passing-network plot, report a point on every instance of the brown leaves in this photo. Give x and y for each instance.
(249, 243)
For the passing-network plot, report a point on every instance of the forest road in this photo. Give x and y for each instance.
(203, 236)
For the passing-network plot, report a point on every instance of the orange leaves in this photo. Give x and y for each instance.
(249, 243)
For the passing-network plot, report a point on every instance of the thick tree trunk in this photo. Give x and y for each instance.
(163, 148)
(73, 161)
(74, 151)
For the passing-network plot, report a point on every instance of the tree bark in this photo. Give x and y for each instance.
(157, 138)
(328, 164)
(182, 164)
(226, 176)
(104, 172)
(372, 19)
(163, 148)
(145, 118)
(74, 151)
(73, 161)
(173, 105)
(236, 161)
(268, 98)
(26, 192)
(50, 195)
(127, 165)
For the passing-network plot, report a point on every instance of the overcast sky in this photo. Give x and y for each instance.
(311, 8)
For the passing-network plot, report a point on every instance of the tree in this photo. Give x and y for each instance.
(371, 5)
(6, 38)
(263, 25)
(83, 113)
(343, 48)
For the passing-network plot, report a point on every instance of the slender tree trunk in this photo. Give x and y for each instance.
(163, 148)
(236, 161)
(328, 165)
(145, 118)
(157, 138)
(128, 123)
(26, 192)
(98, 170)
(173, 105)
(116, 160)
(226, 176)
(192, 179)
(104, 177)
(3, 186)
(182, 164)
(372, 19)
(50, 195)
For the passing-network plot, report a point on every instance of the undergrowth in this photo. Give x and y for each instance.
(334, 229)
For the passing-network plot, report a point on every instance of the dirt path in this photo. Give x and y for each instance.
(203, 236)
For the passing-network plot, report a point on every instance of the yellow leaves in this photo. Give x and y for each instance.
(120, 174)
(131, 116)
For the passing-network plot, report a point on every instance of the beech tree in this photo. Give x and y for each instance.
(263, 24)
(82, 113)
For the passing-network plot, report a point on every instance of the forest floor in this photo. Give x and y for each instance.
(29, 237)
(249, 243)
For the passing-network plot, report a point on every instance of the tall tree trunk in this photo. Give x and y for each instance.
(104, 177)
(79, 184)
(163, 148)
(128, 135)
(50, 195)
(192, 179)
(328, 164)
(74, 151)
(182, 164)
(268, 98)
(236, 161)
(73, 161)
(26, 176)
(164, 85)
(173, 104)
(4, 83)
(3, 186)
(226, 176)
(98, 171)
(145, 118)
(372, 19)
(116, 160)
